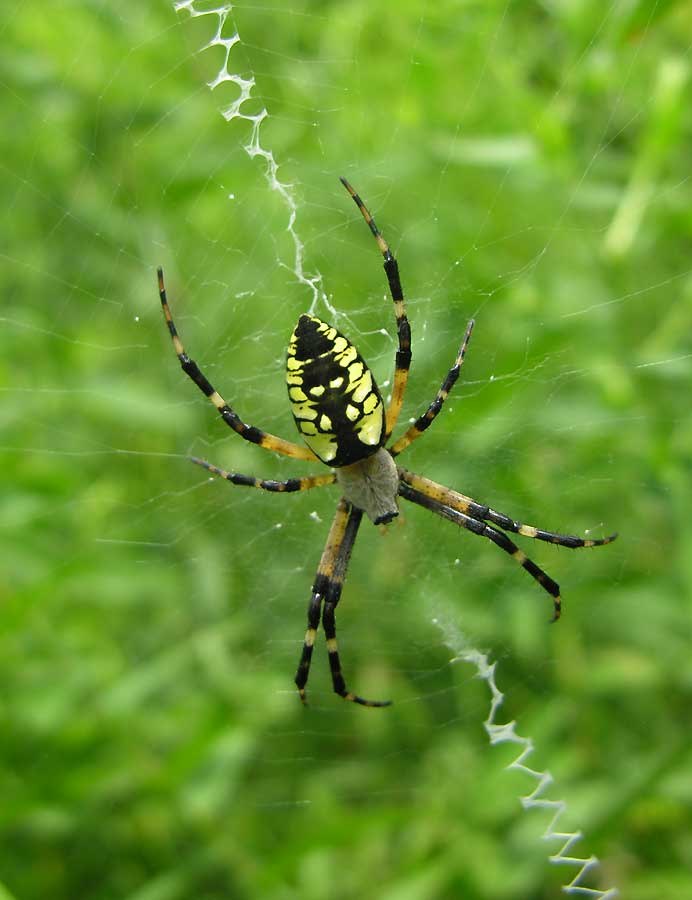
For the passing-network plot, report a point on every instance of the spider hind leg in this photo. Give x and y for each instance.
(288, 486)
(403, 328)
(248, 432)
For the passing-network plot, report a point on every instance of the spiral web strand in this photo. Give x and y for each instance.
(253, 147)
(505, 733)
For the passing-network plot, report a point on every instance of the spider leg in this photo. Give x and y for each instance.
(327, 589)
(291, 484)
(428, 417)
(497, 537)
(463, 504)
(403, 354)
(324, 572)
(230, 417)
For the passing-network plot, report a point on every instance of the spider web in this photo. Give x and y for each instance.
(526, 218)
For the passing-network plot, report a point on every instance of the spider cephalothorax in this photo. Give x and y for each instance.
(340, 414)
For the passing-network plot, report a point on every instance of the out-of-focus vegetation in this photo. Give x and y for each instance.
(530, 165)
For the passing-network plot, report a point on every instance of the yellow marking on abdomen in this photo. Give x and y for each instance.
(363, 388)
(370, 403)
(371, 430)
(347, 357)
(355, 371)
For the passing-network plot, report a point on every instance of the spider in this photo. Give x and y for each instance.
(341, 416)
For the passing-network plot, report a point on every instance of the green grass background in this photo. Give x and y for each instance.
(530, 165)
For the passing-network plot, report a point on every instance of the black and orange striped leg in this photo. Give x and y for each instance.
(403, 354)
(327, 589)
(230, 417)
(497, 537)
(325, 571)
(291, 484)
(425, 421)
(460, 502)
(303, 672)
(332, 597)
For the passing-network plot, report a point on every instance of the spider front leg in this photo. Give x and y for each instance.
(403, 354)
(476, 526)
(447, 497)
(230, 417)
(327, 589)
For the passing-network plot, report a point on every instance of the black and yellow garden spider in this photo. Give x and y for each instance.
(340, 415)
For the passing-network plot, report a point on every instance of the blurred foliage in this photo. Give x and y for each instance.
(529, 163)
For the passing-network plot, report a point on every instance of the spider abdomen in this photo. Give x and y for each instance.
(336, 403)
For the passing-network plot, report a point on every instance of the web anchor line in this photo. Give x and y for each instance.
(254, 147)
(503, 733)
